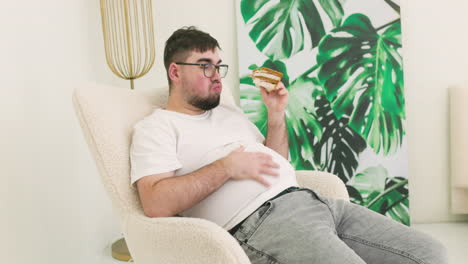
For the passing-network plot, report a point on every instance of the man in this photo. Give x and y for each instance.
(201, 159)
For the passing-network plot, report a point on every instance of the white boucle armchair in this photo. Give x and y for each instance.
(107, 115)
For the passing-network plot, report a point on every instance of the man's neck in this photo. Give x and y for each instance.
(176, 104)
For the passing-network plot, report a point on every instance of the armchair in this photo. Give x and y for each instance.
(107, 115)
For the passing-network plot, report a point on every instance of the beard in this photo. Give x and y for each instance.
(205, 103)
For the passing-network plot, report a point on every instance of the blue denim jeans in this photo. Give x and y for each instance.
(300, 226)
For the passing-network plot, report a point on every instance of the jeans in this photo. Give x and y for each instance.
(300, 226)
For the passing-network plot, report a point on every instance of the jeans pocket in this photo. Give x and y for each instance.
(264, 210)
(254, 221)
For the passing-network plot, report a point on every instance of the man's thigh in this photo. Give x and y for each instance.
(294, 228)
(379, 239)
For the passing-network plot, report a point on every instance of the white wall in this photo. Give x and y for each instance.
(54, 209)
(435, 57)
(52, 203)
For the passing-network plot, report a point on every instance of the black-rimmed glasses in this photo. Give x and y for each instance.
(209, 69)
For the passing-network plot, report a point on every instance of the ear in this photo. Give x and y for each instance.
(173, 72)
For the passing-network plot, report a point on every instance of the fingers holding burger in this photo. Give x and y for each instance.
(266, 78)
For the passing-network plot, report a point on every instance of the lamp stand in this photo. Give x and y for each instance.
(120, 250)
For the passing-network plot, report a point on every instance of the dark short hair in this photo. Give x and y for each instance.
(185, 40)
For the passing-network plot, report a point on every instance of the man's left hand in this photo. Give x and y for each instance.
(276, 100)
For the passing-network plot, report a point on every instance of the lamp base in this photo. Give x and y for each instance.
(120, 250)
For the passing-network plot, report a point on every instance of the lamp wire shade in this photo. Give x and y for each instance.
(128, 32)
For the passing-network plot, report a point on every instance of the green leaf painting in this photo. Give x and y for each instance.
(363, 79)
(343, 70)
(383, 193)
(339, 146)
(280, 28)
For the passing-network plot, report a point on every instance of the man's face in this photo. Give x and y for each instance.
(198, 90)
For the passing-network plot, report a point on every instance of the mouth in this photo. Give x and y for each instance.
(217, 88)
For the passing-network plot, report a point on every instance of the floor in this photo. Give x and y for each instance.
(453, 235)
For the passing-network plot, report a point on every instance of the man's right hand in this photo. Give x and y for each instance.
(240, 165)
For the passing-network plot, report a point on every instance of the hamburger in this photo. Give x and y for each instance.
(266, 77)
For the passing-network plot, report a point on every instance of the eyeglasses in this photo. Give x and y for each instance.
(209, 69)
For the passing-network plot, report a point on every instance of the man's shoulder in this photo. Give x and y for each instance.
(154, 119)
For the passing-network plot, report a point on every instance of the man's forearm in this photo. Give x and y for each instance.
(277, 134)
(173, 195)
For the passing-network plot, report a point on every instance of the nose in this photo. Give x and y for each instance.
(216, 75)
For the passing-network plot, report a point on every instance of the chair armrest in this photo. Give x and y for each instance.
(180, 240)
(325, 183)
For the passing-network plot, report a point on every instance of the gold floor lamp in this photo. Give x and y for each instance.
(127, 27)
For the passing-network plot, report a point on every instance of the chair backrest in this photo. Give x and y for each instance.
(107, 115)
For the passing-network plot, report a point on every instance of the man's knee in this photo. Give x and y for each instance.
(436, 252)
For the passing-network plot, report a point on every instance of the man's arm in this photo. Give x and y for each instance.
(164, 195)
(277, 134)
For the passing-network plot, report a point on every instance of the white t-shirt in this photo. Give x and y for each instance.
(170, 141)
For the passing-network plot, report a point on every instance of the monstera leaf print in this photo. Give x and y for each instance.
(279, 29)
(382, 193)
(339, 147)
(361, 71)
(348, 99)
(334, 10)
(302, 123)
